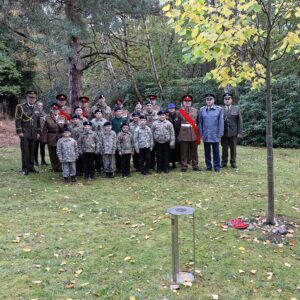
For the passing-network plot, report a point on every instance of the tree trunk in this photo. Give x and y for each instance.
(269, 132)
(124, 45)
(151, 55)
(75, 66)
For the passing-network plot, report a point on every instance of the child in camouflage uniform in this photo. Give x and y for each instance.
(108, 142)
(132, 127)
(67, 152)
(143, 144)
(88, 145)
(125, 148)
(76, 128)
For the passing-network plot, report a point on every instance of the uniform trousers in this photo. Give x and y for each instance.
(118, 162)
(79, 166)
(188, 152)
(125, 162)
(68, 168)
(109, 163)
(216, 155)
(55, 163)
(174, 154)
(39, 145)
(98, 162)
(145, 159)
(228, 142)
(88, 159)
(152, 158)
(136, 161)
(27, 152)
(162, 156)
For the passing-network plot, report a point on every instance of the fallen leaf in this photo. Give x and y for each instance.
(174, 287)
(287, 265)
(110, 255)
(84, 284)
(47, 269)
(241, 271)
(253, 272)
(56, 255)
(132, 298)
(78, 272)
(147, 237)
(70, 284)
(36, 281)
(215, 296)
(187, 283)
(17, 240)
(81, 216)
(26, 249)
(80, 253)
(270, 275)
(127, 258)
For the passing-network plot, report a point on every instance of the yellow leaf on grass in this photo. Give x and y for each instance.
(78, 272)
(215, 296)
(270, 275)
(36, 281)
(253, 272)
(127, 258)
(26, 249)
(132, 298)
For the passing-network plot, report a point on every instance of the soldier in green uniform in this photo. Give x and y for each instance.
(28, 128)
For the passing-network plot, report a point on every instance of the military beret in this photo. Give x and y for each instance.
(55, 106)
(148, 102)
(85, 123)
(117, 108)
(135, 114)
(186, 98)
(124, 124)
(161, 112)
(74, 116)
(142, 117)
(84, 99)
(101, 96)
(171, 105)
(61, 97)
(107, 123)
(227, 95)
(66, 129)
(30, 93)
(167, 111)
(98, 111)
(152, 97)
(209, 95)
(76, 107)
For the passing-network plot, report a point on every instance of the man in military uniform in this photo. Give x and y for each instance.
(153, 99)
(28, 128)
(83, 102)
(65, 111)
(119, 103)
(188, 134)
(233, 128)
(211, 125)
(105, 109)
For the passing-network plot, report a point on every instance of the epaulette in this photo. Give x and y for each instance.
(203, 107)
(219, 107)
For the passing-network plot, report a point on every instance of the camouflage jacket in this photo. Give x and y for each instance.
(151, 117)
(163, 132)
(67, 149)
(98, 125)
(76, 130)
(132, 127)
(125, 142)
(106, 111)
(108, 142)
(89, 142)
(143, 138)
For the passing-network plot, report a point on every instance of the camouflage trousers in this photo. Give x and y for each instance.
(68, 168)
(109, 164)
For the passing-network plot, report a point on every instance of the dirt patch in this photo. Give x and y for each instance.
(8, 136)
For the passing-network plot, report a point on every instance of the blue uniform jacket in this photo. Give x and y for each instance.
(211, 124)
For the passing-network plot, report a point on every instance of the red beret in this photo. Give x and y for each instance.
(186, 98)
(55, 106)
(119, 100)
(84, 99)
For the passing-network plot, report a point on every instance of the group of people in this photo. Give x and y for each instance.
(88, 140)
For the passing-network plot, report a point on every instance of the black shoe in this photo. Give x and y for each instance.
(158, 171)
(111, 175)
(233, 166)
(85, 177)
(106, 175)
(66, 179)
(217, 170)
(183, 169)
(36, 163)
(223, 165)
(196, 169)
(173, 166)
(43, 163)
(34, 171)
(166, 171)
(143, 173)
(73, 179)
(25, 172)
(208, 169)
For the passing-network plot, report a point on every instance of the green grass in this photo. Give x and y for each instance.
(86, 227)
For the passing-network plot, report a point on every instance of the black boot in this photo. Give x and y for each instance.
(66, 179)
(106, 175)
(43, 163)
(73, 179)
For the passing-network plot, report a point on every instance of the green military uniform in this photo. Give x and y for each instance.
(27, 123)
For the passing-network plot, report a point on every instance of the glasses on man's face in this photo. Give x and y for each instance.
(227, 98)
(209, 98)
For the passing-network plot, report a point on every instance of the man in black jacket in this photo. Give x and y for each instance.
(233, 128)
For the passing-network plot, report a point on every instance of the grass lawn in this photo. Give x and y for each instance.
(111, 239)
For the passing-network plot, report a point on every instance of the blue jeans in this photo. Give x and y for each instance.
(216, 155)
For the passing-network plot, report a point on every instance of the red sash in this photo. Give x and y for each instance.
(190, 120)
(65, 115)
